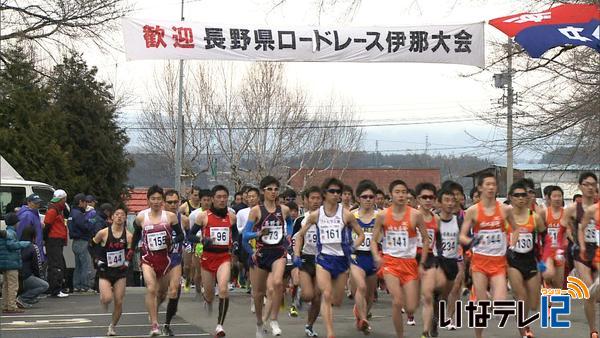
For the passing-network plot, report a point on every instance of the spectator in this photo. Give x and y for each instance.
(29, 218)
(101, 219)
(55, 232)
(31, 274)
(80, 232)
(10, 263)
(90, 208)
(239, 202)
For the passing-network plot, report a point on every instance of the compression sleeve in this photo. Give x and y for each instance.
(137, 235)
(193, 238)
(96, 250)
(179, 236)
(289, 223)
(247, 235)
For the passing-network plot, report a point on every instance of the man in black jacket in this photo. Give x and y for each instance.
(30, 274)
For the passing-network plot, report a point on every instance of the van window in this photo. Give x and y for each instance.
(46, 195)
(11, 198)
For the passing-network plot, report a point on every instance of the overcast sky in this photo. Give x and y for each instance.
(382, 92)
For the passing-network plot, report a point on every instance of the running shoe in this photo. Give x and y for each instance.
(451, 327)
(111, 331)
(364, 327)
(61, 295)
(425, 335)
(293, 312)
(411, 321)
(166, 331)
(529, 332)
(219, 332)
(22, 305)
(308, 330)
(275, 330)
(260, 331)
(155, 331)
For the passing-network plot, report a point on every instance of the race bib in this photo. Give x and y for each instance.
(366, 244)
(449, 246)
(397, 239)
(311, 237)
(524, 243)
(330, 234)
(492, 241)
(219, 235)
(553, 234)
(115, 259)
(157, 240)
(274, 236)
(590, 233)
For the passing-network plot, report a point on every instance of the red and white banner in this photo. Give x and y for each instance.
(154, 39)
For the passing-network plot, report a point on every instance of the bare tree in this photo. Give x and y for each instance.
(57, 21)
(253, 125)
(558, 96)
(159, 118)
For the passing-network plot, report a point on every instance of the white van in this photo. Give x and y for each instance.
(14, 189)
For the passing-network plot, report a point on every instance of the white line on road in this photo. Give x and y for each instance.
(78, 315)
(83, 327)
(178, 335)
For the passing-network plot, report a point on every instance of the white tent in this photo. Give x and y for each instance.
(7, 172)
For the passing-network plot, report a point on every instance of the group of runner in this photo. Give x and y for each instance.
(420, 255)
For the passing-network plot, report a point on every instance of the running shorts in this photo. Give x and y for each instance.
(265, 257)
(335, 265)
(160, 263)
(488, 265)
(405, 269)
(308, 265)
(112, 275)
(430, 262)
(211, 261)
(590, 253)
(525, 263)
(176, 259)
(449, 266)
(550, 253)
(364, 260)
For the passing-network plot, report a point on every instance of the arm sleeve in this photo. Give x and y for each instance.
(193, 238)
(137, 235)
(96, 250)
(235, 235)
(297, 225)
(247, 235)
(179, 236)
(289, 226)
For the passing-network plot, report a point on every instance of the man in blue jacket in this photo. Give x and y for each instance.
(29, 217)
(31, 274)
(10, 263)
(81, 233)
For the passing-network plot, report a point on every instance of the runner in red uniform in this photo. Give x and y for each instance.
(155, 227)
(218, 230)
(553, 253)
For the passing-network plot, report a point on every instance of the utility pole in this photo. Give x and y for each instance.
(509, 121)
(179, 136)
(502, 80)
(376, 153)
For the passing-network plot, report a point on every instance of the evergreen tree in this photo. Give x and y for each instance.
(92, 137)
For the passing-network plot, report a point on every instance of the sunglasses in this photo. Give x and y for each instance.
(367, 197)
(520, 195)
(271, 189)
(427, 197)
(335, 191)
(171, 202)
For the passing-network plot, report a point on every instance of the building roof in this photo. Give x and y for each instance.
(381, 177)
(137, 200)
(537, 167)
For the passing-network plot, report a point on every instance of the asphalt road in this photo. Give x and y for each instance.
(80, 315)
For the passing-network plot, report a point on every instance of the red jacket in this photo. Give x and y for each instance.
(55, 220)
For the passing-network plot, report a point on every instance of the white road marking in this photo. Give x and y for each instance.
(78, 315)
(178, 335)
(49, 322)
(83, 327)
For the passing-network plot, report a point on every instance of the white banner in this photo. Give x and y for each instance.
(153, 39)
